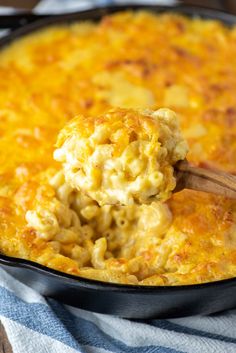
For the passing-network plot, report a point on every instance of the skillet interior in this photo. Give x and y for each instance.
(123, 300)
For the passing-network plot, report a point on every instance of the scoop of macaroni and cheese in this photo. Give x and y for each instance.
(124, 156)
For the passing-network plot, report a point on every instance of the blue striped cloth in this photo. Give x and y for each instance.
(30, 323)
(36, 324)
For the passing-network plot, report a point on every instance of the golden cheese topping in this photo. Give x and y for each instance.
(124, 156)
(132, 60)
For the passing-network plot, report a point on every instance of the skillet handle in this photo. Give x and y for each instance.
(18, 20)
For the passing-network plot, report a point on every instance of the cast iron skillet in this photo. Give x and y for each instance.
(127, 301)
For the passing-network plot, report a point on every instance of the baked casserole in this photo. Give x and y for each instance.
(130, 60)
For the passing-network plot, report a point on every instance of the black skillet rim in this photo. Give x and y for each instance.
(96, 14)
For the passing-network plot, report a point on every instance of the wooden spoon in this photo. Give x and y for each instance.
(208, 180)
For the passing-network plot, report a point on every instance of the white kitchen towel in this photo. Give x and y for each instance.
(58, 6)
(31, 323)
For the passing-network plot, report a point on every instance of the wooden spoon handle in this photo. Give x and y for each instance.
(212, 181)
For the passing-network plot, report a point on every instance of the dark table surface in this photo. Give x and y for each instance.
(225, 5)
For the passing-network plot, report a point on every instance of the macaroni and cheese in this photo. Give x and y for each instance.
(124, 156)
(132, 60)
